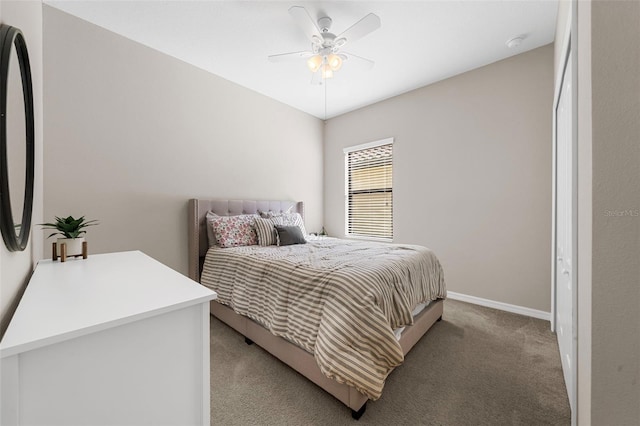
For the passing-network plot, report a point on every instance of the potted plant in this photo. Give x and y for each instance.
(71, 230)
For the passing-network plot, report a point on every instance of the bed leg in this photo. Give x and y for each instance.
(439, 319)
(357, 414)
(248, 341)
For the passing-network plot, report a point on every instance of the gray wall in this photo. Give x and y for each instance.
(615, 83)
(132, 134)
(472, 175)
(16, 267)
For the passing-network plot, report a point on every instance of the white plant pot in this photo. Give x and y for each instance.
(74, 245)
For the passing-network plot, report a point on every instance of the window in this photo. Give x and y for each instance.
(369, 190)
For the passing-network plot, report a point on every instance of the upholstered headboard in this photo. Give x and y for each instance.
(198, 243)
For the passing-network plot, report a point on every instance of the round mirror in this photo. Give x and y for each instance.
(16, 139)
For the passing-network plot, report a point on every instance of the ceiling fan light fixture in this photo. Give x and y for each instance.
(335, 62)
(327, 72)
(314, 63)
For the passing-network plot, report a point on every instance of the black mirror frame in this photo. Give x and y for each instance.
(10, 37)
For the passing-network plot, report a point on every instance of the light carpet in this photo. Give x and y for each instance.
(478, 366)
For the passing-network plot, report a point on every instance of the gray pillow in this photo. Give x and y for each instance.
(289, 235)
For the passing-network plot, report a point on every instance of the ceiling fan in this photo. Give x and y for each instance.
(326, 54)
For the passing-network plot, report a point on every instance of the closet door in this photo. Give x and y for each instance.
(565, 209)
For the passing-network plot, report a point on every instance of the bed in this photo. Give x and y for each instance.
(299, 355)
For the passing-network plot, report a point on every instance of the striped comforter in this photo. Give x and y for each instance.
(339, 300)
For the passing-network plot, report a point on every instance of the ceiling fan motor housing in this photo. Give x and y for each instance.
(324, 24)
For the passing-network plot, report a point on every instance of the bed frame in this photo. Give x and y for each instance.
(295, 357)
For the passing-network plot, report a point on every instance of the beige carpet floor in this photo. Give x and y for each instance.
(479, 366)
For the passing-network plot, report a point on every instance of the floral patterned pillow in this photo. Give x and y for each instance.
(234, 231)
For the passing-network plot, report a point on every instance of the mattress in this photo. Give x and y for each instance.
(421, 307)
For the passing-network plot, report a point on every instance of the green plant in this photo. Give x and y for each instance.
(68, 226)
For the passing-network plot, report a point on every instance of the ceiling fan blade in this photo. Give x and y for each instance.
(368, 24)
(306, 23)
(364, 62)
(289, 56)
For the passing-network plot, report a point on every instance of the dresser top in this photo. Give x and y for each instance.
(64, 300)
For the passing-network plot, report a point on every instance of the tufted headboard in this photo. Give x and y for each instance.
(198, 243)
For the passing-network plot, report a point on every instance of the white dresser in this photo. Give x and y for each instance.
(116, 339)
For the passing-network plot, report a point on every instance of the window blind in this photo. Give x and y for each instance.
(369, 191)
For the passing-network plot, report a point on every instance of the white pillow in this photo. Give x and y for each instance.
(209, 217)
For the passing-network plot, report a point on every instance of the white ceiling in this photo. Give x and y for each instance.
(419, 43)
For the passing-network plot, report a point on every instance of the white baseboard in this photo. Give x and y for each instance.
(500, 305)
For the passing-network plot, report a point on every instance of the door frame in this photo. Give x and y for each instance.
(568, 52)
